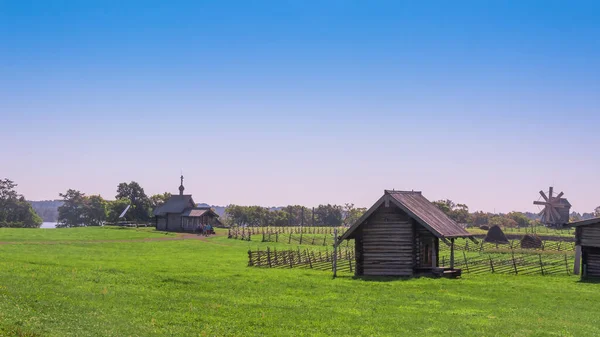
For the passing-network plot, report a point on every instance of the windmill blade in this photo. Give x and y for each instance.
(556, 215)
(544, 216)
(559, 195)
(540, 203)
(543, 195)
(550, 192)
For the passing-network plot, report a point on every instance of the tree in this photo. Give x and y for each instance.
(480, 218)
(502, 221)
(328, 215)
(445, 205)
(95, 210)
(158, 200)
(15, 211)
(115, 208)
(521, 219)
(71, 213)
(456, 212)
(352, 214)
(140, 203)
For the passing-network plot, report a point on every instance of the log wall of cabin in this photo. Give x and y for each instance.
(387, 243)
(161, 223)
(358, 253)
(589, 236)
(589, 239)
(173, 222)
(591, 261)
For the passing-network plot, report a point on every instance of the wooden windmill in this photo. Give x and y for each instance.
(556, 209)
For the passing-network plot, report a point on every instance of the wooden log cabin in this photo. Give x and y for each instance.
(180, 214)
(400, 236)
(587, 247)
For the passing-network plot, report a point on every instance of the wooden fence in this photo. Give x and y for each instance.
(307, 259)
(511, 263)
(296, 237)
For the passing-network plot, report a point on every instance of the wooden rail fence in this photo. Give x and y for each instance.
(307, 259)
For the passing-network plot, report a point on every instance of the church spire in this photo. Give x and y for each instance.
(181, 188)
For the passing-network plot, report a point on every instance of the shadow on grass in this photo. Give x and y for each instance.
(390, 278)
(376, 278)
(593, 280)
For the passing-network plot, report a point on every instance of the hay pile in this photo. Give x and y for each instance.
(496, 235)
(530, 241)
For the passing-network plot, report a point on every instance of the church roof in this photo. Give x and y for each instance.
(175, 204)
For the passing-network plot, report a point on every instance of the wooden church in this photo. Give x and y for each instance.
(400, 236)
(181, 214)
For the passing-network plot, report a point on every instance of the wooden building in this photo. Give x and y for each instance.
(181, 214)
(400, 236)
(587, 247)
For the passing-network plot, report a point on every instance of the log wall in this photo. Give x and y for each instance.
(589, 236)
(591, 261)
(385, 247)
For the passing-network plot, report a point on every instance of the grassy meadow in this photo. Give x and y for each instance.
(116, 282)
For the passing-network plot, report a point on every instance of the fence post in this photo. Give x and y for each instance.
(465, 257)
(567, 264)
(335, 253)
(313, 241)
(269, 256)
(324, 239)
(291, 257)
(514, 263)
(491, 264)
(250, 264)
(290, 239)
(541, 265)
(308, 256)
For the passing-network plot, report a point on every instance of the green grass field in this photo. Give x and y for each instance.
(138, 287)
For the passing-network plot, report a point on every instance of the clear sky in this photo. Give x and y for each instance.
(303, 102)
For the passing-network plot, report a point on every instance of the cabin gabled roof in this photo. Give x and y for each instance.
(175, 204)
(419, 208)
(593, 221)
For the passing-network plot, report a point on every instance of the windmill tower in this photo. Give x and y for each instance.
(556, 209)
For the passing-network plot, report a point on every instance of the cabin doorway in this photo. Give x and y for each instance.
(426, 253)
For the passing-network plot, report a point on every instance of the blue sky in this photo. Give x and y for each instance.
(303, 102)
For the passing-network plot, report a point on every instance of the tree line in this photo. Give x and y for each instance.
(293, 215)
(79, 209)
(460, 213)
(15, 211)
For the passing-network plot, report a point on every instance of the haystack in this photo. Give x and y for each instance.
(484, 227)
(496, 235)
(530, 241)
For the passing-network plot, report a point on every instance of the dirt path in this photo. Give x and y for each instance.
(178, 237)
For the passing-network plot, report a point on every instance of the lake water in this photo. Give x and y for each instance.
(48, 225)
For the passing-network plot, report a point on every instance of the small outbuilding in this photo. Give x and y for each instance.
(400, 236)
(181, 214)
(587, 247)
